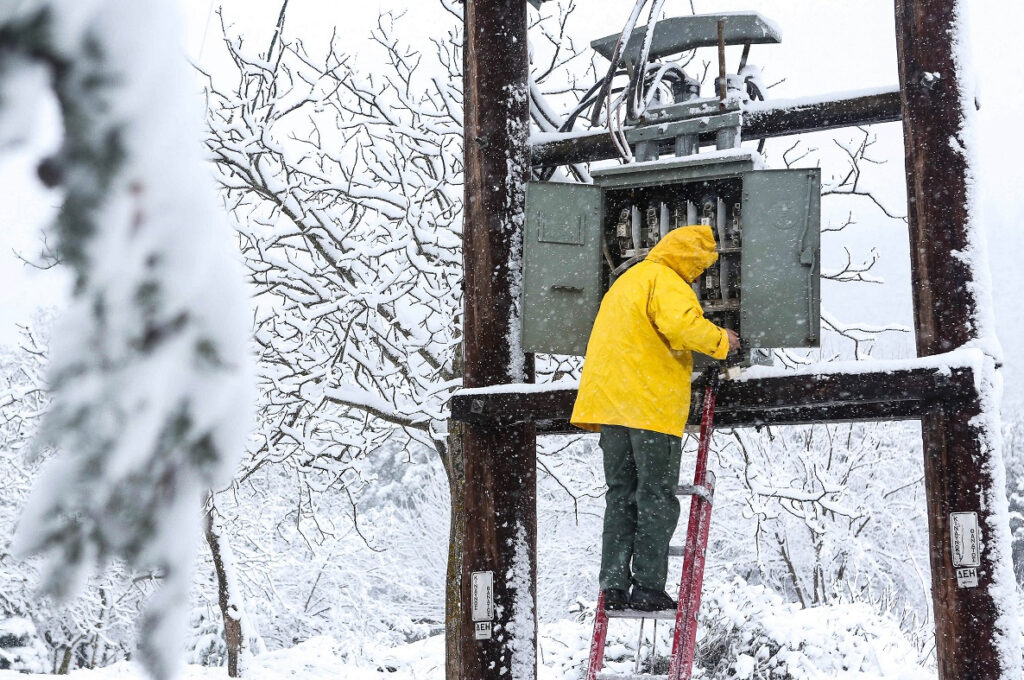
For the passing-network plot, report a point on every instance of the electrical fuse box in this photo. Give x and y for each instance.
(765, 284)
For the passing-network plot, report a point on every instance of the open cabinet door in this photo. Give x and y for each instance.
(780, 304)
(561, 266)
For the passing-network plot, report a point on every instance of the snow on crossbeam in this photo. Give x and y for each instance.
(834, 391)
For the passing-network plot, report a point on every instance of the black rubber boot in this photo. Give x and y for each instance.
(647, 600)
(615, 599)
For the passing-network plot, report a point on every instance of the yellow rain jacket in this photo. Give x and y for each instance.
(638, 364)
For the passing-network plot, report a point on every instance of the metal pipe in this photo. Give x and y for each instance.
(721, 62)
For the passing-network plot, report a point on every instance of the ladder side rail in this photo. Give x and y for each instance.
(706, 426)
(686, 581)
(686, 626)
(600, 637)
(686, 584)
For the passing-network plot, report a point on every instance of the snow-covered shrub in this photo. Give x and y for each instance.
(97, 626)
(825, 513)
(356, 562)
(21, 648)
(750, 632)
(206, 646)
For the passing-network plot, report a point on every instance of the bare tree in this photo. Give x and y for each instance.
(348, 191)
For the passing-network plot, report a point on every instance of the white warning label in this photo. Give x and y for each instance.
(967, 577)
(965, 539)
(482, 600)
(482, 630)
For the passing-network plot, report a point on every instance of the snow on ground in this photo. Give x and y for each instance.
(754, 634)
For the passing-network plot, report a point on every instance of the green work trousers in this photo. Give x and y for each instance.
(641, 469)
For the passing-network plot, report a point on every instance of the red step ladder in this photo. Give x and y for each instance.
(684, 638)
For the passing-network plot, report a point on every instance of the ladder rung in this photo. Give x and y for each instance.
(630, 676)
(637, 614)
(693, 490)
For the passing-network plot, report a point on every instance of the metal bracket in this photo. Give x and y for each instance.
(694, 490)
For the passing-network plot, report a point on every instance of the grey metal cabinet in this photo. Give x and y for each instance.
(765, 285)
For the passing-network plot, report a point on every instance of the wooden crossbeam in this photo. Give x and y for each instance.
(786, 400)
(759, 122)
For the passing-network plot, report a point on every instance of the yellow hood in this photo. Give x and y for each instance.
(687, 251)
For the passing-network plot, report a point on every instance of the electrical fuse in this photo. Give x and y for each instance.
(735, 224)
(707, 215)
(653, 227)
(634, 230)
(679, 218)
(622, 230)
(720, 221)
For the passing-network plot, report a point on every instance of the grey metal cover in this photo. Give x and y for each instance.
(679, 34)
(781, 300)
(695, 168)
(561, 266)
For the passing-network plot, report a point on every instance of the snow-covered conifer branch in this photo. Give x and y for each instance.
(149, 366)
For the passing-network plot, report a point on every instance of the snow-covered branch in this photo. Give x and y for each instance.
(149, 365)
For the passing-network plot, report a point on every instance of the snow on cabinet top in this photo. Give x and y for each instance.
(717, 155)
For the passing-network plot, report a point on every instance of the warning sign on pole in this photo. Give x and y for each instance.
(965, 544)
(482, 600)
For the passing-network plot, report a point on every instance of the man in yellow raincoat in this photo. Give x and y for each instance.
(635, 391)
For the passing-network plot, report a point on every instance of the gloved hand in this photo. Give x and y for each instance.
(734, 340)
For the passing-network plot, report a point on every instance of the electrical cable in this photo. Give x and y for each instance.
(547, 120)
(620, 143)
(652, 87)
(636, 93)
(615, 58)
(644, 82)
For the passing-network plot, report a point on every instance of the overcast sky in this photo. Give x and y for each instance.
(828, 45)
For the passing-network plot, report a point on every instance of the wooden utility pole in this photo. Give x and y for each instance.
(495, 635)
(958, 462)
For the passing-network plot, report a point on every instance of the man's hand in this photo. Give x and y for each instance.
(734, 340)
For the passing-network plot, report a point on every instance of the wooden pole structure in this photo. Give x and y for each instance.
(959, 464)
(496, 634)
